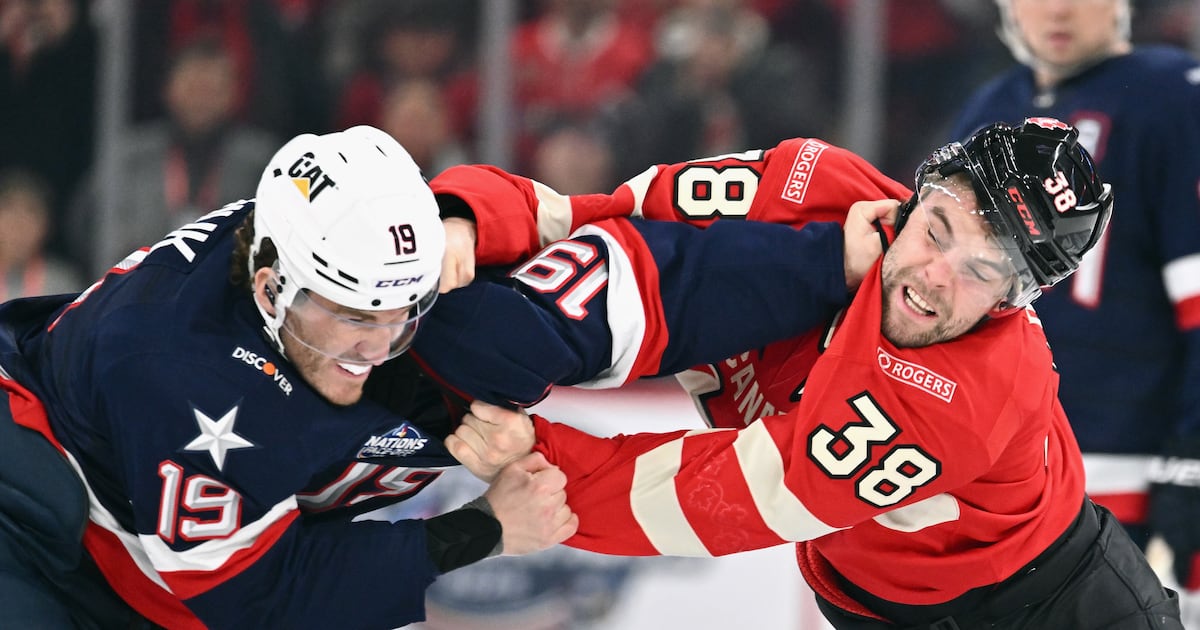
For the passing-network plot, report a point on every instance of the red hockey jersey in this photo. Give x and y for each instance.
(918, 474)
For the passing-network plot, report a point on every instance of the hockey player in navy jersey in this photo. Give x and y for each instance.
(1125, 329)
(207, 394)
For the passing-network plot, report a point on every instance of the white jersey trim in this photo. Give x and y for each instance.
(1182, 278)
(212, 554)
(553, 214)
(639, 185)
(762, 466)
(626, 313)
(1116, 474)
(151, 555)
(655, 503)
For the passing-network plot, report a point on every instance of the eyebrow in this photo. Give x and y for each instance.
(940, 214)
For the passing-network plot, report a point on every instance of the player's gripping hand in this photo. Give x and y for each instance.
(1175, 507)
(863, 244)
(529, 500)
(490, 438)
(458, 263)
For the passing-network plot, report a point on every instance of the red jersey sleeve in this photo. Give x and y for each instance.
(799, 181)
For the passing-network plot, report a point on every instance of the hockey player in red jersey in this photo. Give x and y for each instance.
(914, 447)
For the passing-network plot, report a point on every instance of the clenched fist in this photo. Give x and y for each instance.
(489, 438)
(529, 500)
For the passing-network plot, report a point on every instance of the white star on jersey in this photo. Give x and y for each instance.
(217, 436)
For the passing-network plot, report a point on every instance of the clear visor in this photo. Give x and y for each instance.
(985, 264)
(349, 335)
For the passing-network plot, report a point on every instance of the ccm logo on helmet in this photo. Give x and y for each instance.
(266, 367)
(309, 179)
(398, 282)
(1023, 210)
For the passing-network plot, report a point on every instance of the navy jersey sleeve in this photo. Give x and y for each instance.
(623, 299)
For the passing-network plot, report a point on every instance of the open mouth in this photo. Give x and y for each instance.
(917, 303)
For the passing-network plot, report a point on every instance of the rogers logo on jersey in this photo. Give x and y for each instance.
(916, 375)
(796, 186)
(402, 441)
(266, 367)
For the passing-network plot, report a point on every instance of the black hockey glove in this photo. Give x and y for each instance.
(1175, 507)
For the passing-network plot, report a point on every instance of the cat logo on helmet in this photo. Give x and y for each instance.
(308, 177)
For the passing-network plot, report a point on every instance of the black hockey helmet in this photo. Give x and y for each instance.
(1039, 191)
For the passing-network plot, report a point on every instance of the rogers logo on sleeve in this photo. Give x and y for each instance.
(916, 375)
(798, 179)
(796, 186)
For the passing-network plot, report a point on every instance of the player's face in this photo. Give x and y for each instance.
(1062, 34)
(944, 272)
(334, 347)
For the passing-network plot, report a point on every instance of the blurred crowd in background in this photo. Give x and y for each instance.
(600, 90)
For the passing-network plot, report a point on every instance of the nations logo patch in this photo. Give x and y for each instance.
(402, 441)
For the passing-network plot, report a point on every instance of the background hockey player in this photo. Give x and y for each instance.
(1126, 329)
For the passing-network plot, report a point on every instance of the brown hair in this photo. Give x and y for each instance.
(243, 239)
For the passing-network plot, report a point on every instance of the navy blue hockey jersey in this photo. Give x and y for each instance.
(1125, 329)
(215, 474)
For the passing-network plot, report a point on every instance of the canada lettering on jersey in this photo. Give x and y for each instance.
(748, 393)
(266, 367)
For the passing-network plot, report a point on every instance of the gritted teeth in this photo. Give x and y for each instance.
(917, 302)
(357, 369)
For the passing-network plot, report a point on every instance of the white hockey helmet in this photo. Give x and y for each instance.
(353, 221)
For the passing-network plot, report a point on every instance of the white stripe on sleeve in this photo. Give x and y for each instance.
(762, 466)
(639, 185)
(553, 214)
(655, 503)
(626, 313)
